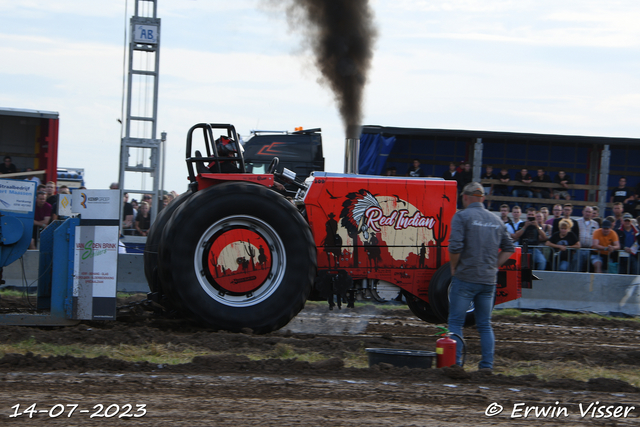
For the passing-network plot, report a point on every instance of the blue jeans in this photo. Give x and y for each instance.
(460, 298)
(581, 260)
(522, 193)
(564, 265)
(539, 261)
(628, 265)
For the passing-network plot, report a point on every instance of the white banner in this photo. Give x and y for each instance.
(95, 267)
(96, 204)
(17, 196)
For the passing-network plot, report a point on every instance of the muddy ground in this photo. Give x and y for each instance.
(226, 387)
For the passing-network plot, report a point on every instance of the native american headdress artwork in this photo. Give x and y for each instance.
(353, 210)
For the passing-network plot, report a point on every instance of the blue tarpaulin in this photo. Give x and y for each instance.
(374, 150)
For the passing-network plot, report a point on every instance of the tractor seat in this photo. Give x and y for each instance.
(200, 167)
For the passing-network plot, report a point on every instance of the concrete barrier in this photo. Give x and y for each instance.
(598, 293)
(130, 272)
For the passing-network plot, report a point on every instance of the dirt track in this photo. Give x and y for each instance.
(227, 387)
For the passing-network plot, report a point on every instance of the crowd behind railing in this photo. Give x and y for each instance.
(586, 244)
(526, 188)
(136, 218)
(560, 241)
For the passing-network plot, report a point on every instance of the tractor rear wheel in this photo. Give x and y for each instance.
(153, 241)
(439, 289)
(238, 255)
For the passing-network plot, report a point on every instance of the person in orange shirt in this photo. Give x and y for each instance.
(606, 242)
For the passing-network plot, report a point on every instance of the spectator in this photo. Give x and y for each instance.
(8, 166)
(628, 235)
(127, 216)
(450, 175)
(522, 191)
(618, 210)
(542, 192)
(135, 206)
(488, 174)
(114, 186)
(636, 202)
(502, 189)
(32, 177)
(415, 170)
(390, 171)
(606, 242)
(557, 214)
(545, 213)
(586, 226)
(596, 215)
(545, 227)
(465, 177)
(563, 180)
(562, 241)
(504, 215)
(143, 220)
(149, 198)
(623, 194)
(166, 199)
(41, 217)
(50, 189)
(515, 222)
(531, 234)
(567, 210)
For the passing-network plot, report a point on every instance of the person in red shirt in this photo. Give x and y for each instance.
(41, 217)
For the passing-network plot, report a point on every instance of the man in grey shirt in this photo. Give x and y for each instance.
(477, 235)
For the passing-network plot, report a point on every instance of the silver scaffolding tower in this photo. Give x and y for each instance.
(141, 153)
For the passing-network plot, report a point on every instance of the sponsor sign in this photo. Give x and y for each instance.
(17, 196)
(96, 204)
(95, 271)
(145, 34)
(64, 205)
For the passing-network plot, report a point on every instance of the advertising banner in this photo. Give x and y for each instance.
(97, 204)
(17, 196)
(95, 272)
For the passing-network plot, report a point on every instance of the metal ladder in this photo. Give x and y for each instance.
(142, 155)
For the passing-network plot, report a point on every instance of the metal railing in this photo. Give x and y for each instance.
(583, 260)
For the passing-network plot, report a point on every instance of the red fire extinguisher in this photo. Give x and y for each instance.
(445, 349)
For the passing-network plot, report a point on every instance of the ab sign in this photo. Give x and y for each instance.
(145, 34)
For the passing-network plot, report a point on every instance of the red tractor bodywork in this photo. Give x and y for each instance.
(391, 229)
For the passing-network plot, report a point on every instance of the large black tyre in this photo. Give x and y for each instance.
(421, 309)
(204, 263)
(439, 288)
(151, 256)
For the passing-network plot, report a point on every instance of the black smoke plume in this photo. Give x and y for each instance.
(341, 34)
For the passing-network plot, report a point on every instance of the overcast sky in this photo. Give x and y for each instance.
(561, 66)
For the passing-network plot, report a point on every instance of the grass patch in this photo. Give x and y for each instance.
(568, 370)
(514, 312)
(152, 353)
(15, 294)
(172, 355)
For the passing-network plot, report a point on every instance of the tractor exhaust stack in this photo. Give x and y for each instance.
(351, 155)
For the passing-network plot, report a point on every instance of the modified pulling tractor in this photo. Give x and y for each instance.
(234, 252)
